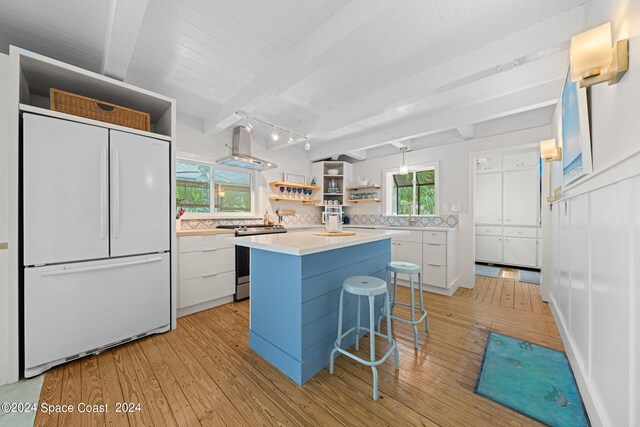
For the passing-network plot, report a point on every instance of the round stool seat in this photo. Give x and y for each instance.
(403, 267)
(365, 285)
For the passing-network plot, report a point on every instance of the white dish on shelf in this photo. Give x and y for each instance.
(332, 172)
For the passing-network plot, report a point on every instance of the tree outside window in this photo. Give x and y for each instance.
(203, 189)
(414, 193)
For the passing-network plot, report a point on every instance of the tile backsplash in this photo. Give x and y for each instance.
(446, 221)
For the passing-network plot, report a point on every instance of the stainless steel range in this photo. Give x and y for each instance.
(243, 260)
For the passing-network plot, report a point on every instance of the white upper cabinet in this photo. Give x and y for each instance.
(489, 163)
(521, 197)
(520, 160)
(488, 198)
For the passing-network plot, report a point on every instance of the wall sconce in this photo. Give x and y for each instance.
(549, 152)
(594, 61)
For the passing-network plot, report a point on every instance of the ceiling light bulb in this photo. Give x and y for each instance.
(307, 146)
(274, 134)
(290, 138)
(248, 126)
(404, 169)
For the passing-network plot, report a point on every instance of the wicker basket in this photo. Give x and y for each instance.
(77, 105)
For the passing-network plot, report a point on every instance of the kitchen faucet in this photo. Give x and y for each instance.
(411, 219)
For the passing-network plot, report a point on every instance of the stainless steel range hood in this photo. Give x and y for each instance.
(241, 153)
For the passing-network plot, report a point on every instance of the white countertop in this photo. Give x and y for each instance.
(305, 243)
(375, 227)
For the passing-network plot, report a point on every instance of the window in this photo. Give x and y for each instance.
(414, 193)
(205, 189)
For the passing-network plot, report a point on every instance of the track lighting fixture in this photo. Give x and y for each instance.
(290, 141)
(274, 134)
(275, 130)
(307, 145)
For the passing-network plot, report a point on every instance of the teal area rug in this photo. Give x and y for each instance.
(529, 276)
(533, 380)
(485, 270)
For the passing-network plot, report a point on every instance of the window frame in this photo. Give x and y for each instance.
(388, 189)
(216, 215)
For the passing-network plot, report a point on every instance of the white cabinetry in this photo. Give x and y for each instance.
(519, 251)
(489, 198)
(507, 209)
(521, 197)
(207, 272)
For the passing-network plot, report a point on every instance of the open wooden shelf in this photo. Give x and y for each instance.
(289, 199)
(362, 200)
(364, 187)
(291, 184)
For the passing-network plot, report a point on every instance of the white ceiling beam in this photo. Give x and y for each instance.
(358, 155)
(345, 30)
(474, 65)
(466, 131)
(531, 98)
(123, 27)
(400, 144)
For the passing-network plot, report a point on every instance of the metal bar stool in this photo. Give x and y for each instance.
(368, 287)
(400, 267)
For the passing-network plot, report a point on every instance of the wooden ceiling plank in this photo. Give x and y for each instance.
(353, 23)
(533, 39)
(511, 103)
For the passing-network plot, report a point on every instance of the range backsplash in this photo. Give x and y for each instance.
(312, 219)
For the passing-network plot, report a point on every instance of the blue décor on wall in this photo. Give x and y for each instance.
(533, 380)
(294, 303)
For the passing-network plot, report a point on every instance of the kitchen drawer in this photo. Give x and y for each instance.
(435, 237)
(520, 160)
(203, 289)
(413, 236)
(203, 263)
(205, 242)
(434, 275)
(434, 254)
(485, 230)
(520, 232)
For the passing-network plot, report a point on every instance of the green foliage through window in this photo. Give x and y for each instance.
(414, 193)
(195, 182)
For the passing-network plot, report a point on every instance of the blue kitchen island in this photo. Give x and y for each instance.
(296, 280)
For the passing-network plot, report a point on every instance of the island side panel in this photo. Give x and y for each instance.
(323, 274)
(275, 310)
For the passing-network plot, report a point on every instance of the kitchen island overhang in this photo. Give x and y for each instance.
(296, 280)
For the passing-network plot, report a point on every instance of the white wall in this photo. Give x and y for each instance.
(5, 375)
(595, 242)
(454, 166)
(194, 144)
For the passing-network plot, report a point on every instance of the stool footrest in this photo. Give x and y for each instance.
(401, 319)
(377, 362)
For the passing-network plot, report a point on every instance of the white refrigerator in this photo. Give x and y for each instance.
(96, 239)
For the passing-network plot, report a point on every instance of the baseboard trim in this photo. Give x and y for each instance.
(433, 289)
(204, 306)
(584, 385)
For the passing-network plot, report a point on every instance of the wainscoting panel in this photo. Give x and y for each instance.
(595, 248)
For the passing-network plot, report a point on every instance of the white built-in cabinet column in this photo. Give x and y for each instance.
(507, 209)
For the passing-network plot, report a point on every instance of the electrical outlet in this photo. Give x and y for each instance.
(456, 207)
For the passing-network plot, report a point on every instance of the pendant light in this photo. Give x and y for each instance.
(404, 169)
(274, 134)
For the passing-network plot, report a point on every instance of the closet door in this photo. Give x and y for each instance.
(521, 197)
(488, 198)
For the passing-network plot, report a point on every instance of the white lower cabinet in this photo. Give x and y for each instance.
(489, 249)
(520, 251)
(517, 246)
(435, 251)
(207, 272)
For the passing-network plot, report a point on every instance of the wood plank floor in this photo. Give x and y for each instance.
(203, 373)
(507, 291)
